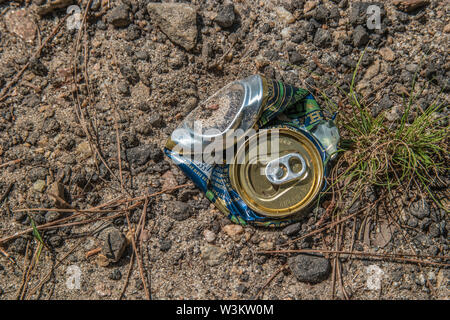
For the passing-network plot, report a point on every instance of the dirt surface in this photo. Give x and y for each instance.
(138, 74)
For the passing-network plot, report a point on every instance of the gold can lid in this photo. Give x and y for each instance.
(277, 172)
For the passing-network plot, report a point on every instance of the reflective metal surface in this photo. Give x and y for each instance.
(248, 172)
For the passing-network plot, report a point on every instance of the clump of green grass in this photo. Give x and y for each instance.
(393, 156)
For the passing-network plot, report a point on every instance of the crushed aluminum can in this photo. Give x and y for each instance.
(259, 149)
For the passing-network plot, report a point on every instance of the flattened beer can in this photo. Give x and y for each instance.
(259, 149)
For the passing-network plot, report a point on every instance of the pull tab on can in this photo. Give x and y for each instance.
(279, 171)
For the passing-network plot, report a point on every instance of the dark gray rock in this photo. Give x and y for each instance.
(309, 269)
(413, 222)
(95, 5)
(292, 229)
(101, 25)
(37, 173)
(322, 38)
(424, 224)
(434, 230)
(409, 5)
(119, 16)
(321, 14)
(312, 26)
(431, 70)
(406, 77)
(38, 68)
(310, 84)
(244, 277)
(179, 210)
(187, 194)
(403, 17)
(265, 28)
(225, 16)
(292, 5)
(271, 54)
(143, 127)
(115, 275)
(20, 216)
(46, 7)
(385, 102)
(348, 62)
(38, 218)
(51, 216)
(422, 241)
(296, 58)
(19, 245)
(141, 55)
(397, 275)
(160, 167)
(360, 36)
(156, 120)
(51, 127)
(143, 106)
(133, 33)
(55, 241)
(123, 87)
(344, 50)
(299, 35)
(343, 4)
(435, 215)
(334, 13)
(443, 227)
(8, 71)
(241, 289)
(165, 245)
(420, 209)
(114, 244)
(141, 154)
(129, 73)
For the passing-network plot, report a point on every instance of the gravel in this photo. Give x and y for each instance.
(360, 36)
(119, 16)
(130, 74)
(309, 268)
(158, 61)
(141, 154)
(322, 38)
(165, 245)
(114, 244)
(293, 229)
(420, 209)
(177, 21)
(180, 210)
(115, 275)
(213, 255)
(56, 241)
(225, 16)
